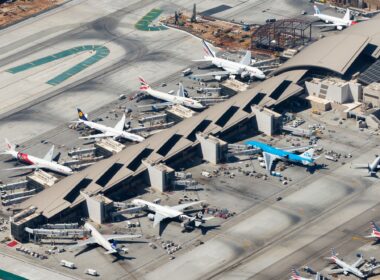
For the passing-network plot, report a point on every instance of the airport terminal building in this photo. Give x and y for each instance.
(353, 52)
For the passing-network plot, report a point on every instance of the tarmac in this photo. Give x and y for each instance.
(275, 227)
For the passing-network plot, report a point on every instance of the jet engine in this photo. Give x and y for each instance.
(151, 216)
(339, 27)
(245, 74)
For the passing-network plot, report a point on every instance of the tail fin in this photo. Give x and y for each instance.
(347, 15)
(295, 274)
(317, 11)
(181, 91)
(8, 145)
(82, 116)
(208, 49)
(308, 154)
(375, 227)
(143, 84)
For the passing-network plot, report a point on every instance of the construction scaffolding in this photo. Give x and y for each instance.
(282, 34)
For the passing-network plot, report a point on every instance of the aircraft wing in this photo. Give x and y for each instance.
(296, 149)
(181, 207)
(100, 135)
(117, 237)
(82, 243)
(358, 262)
(328, 25)
(216, 73)
(120, 124)
(361, 165)
(49, 155)
(337, 271)
(158, 218)
(164, 104)
(24, 167)
(268, 158)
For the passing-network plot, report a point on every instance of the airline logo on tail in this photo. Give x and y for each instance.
(81, 115)
(317, 11)
(207, 49)
(143, 84)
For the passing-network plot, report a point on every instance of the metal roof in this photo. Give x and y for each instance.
(337, 53)
(52, 200)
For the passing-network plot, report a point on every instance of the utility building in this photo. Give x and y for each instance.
(371, 94)
(335, 90)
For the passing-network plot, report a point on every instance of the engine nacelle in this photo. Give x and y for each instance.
(245, 74)
(326, 21)
(151, 216)
(345, 272)
(339, 27)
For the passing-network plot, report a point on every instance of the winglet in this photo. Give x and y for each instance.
(8, 145)
(207, 49)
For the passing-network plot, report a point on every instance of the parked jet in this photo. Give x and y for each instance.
(296, 276)
(339, 23)
(180, 98)
(242, 68)
(103, 240)
(375, 231)
(114, 132)
(372, 168)
(270, 154)
(46, 162)
(346, 268)
(158, 213)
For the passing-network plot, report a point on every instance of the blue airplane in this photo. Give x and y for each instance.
(270, 154)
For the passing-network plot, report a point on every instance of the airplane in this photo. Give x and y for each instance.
(241, 68)
(103, 239)
(375, 231)
(158, 213)
(346, 268)
(114, 132)
(372, 168)
(270, 154)
(339, 23)
(296, 276)
(46, 162)
(180, 98)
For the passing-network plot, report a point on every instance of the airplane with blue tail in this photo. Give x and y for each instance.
(270, 154)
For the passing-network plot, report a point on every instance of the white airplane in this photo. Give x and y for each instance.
(36, 163)
(375, 231)
(241, 68)
(332, 21)
(180, 98)
(114, 132)
(296, 276)
(372, 168)
(346, 268)
(103, 239)
(158, 213)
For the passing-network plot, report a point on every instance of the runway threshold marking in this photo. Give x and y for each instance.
(145, 22)
(100, 53)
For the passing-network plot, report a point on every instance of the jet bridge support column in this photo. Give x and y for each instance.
(213, 149)
(160, 175)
